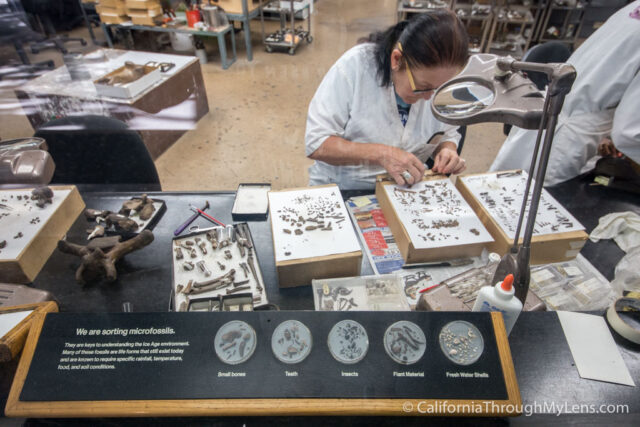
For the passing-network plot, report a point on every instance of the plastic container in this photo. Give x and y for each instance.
(193, 16)
(368, 293)
(181, 42)
(500, 298)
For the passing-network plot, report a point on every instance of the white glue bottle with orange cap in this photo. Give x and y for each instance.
(500, 298)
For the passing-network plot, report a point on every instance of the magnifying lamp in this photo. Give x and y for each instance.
(493, 89)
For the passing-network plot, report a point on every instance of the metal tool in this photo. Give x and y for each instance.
(190, 220)
(451, 263)
(206, 215)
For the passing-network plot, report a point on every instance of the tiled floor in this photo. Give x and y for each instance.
(254, 131)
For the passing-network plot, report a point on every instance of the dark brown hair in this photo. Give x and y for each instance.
(429, 39)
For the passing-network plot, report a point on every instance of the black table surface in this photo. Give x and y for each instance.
(548, 379)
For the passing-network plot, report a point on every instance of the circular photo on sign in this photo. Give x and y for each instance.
(235, 342)
(405, 342)
(348, 342)
(291, 342)
(461, 342)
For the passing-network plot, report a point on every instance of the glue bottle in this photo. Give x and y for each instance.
(500, 298)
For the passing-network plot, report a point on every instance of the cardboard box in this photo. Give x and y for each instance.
(128, 90)
(320, 242)
(150, 12)
(142, 4)
(441, 299)
(545, 247)
(427, 247)
(145, 19)
(111, 3)
(118, 9)
(108, 18)
(43, 228)
(235, 6)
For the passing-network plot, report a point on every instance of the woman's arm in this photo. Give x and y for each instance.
(339, 151)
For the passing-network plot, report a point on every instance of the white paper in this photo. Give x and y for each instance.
(9, 320)
(501, 195)
(323, 203)
(24, 217)
(594, 351)
(436, 215)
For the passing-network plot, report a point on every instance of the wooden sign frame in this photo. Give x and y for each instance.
(13, 341)
(512, 406)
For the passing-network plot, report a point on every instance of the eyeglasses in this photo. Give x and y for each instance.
(410, 76)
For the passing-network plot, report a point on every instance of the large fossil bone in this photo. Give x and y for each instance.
(97, 263)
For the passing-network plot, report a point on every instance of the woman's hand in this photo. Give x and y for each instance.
(446, 159)
(404, 167)
(607, 149)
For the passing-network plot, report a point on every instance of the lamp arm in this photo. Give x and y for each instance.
(561, 75)
(561, 78)
(534, 161)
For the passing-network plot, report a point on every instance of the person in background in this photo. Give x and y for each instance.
(372, 114)
(603, 107)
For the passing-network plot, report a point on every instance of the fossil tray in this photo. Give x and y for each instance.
(29, 234)
(496, 197)
(196, 262)
(149, 224)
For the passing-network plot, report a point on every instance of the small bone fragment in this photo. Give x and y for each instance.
(203, 268)
(212, 236)
(42, 196)
(147, 210)
(93, 214)
(98, 231)
(238, 289)
(202, 245)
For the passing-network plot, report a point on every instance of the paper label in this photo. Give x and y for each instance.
(542, 275)
(577, 244)
(361, 201)
(572, 253)
(573, 271)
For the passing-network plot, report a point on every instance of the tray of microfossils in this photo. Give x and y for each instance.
(216, 262)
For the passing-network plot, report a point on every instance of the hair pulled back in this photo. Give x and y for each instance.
(430, 39)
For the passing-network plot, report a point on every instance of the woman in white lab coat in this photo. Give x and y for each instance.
(604, 101)
(371, 112)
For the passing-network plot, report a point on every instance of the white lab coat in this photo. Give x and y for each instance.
(604, 100)
(351, 104)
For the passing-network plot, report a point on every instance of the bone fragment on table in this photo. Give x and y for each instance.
(42, 195)
(96, 263)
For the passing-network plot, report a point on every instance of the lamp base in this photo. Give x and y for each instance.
(515, 262)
